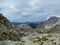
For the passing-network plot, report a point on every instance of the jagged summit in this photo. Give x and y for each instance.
(54, 17)
(51, 22)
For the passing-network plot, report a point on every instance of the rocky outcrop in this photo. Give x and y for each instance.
(4, 22)
(7, 32)
(55, 29)
(25, 27)
(51, 22)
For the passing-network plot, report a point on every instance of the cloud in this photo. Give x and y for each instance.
(29, 10)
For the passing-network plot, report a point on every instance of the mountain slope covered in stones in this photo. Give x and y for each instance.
(48, 25)
(55, 29)
(4, 22)
(25, 27)
(51, 22)
(7, 32)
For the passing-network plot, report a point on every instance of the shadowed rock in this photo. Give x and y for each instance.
(5, 22)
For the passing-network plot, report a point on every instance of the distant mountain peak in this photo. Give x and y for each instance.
(53, 17)
(51, 22)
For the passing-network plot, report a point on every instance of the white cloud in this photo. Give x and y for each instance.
(29, 10)
(33, 2)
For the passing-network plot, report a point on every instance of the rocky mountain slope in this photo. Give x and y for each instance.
(48, 25)
(25, 27)
(55, 29)
(7, 31)
(51, 22)
(4, 22)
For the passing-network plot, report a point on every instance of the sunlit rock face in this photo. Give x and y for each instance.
(55, 29)
(42, 39)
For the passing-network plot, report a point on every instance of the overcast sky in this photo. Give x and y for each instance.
(29, 10)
